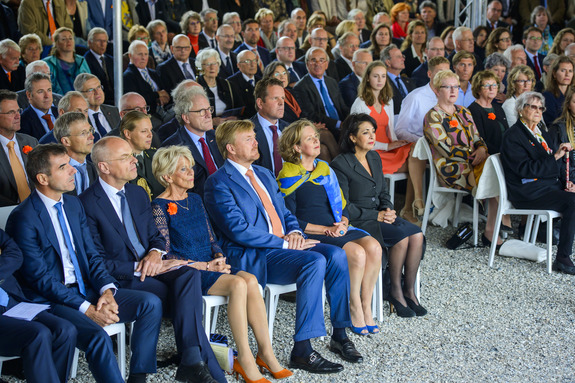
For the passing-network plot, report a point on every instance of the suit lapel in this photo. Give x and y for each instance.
(74, 222)
(271, 189)
(5, 164)
(187, 140)
(104, 202)
(241, 181)
(360, 170)
(46, 222)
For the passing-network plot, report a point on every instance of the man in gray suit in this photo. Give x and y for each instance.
(14, 183)
(103, 117)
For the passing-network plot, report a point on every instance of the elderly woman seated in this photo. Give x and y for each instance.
(532, 166)
(182, 219)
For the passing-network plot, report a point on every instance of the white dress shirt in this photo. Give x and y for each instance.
(414, 107)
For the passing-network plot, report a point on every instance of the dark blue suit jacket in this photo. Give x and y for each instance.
(97, 18)
(348, 88)
(134, 82)
(263, 52)
(109, 233)
(181, 137)
(300, 69)
(239, 216)
(107, 81)
(42, 272)
(30, 123)
(265, 159)
(419, 74)
(531, 64)
(10, 262)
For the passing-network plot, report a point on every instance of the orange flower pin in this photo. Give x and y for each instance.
(453, 123)
(491, 116)
(27, 149)
(172, 208)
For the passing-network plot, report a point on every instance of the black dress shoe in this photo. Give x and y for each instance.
(401, 310)
(198, 373)
(315, 363)
(558, 266)
(345, 349)
(136, 378)
(487, 243)
(419, 310)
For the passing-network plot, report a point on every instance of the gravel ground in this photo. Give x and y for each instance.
(513, 323)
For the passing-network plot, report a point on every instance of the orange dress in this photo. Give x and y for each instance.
(391, 160)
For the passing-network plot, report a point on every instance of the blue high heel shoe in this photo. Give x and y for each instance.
(359, 330)
(373, 329)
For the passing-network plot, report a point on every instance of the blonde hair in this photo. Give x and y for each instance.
(365, 92)
(410, 29)
(130, 121)
(479, 78)
(443, 75)
(56, 37)
(165, 161)
(514, 74)
(226, 133)
(290, 137)
(344, 27)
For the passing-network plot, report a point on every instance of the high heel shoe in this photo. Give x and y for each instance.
(277, 375)
(359, 330)
(418, 211)
(373, 329)
(411, 219)
(419, 310)
(238, 370)
(487, 243)
(401, 310)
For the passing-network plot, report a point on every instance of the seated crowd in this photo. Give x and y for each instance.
(249, 148)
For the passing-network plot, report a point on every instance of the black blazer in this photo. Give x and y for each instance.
(366, 194)
(244, 93)
(419, 75)
(312, 105)
(92, 176)
(300, 69)
(8, 188)
(181, 137)
(265, 159)
(161, 13)
(30, 123)
(167, 129)
(342, 68)
(134, 82)
(224, 72)
(225, 93)
(18, 78)
(531, 64)
(96, 69)
(331, 68)
(262, 52)
(245, 10)
(530, 172)
(146, 174)
(488, 129)
(558, 133)
(171, 73)
(411, 62)
(397, 99)
(348, 88)
(8, 26)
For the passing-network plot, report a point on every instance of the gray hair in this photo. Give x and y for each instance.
(220, 30)
(343, 39)
(385, 54)
(182, 86)
(497, 59)
(185, 22)
(6, 45)
(28, 39)
(313, 49)
(525, 98)
(134, 44)
(548, 60)
(508, 52)
(34, 65)
(358, 52)
(427, 4)
(205, 54)
(154, 24)
(35, 77)
(65, 101)
(458, 33)
(165, 161)
(227, 17)
(283, 25)
(354, 12)
(62, 125)
(206, 11)
(184, 102)
(295, 10)
(538, 9)
(81, 79)
(96, 31)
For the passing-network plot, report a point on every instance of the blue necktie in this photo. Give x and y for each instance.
(293, 75)
(229, 65)
(331, 112)
(83, 175)
(71, 250)
(129, 225)
(4, 298)
(187, 73)
(400, 87)
(99, 125)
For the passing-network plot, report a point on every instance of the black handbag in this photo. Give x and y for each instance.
(461, 236)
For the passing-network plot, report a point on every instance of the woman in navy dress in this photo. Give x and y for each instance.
(182, 219)
(313, 195)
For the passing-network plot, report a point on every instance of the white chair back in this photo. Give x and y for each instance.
(4, 214)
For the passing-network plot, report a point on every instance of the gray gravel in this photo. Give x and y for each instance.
(513, 323)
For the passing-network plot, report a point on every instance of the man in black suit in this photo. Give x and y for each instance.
(8, 26)
(244, 81)
(73, 130)
(14, 183)
(225, 38)
(318, 38)
(101, 64)
(12, 74)
(207, 37)
(287, 28)
(146, 82)
(72, 102)
(194, 113)
(395, 63)
(268, 125)
(356, 15)
(39, 117)
(179, 67)
(170, 127)
(532, 40)
(47, 343)
(251, 34)
(435, 47)
(348, 44)
(299, 18)
(323, 102)
(493, 16)
(348, 86)
(286, 54)
(102, 117)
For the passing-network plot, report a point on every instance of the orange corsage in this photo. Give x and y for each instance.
(26, 149)
(453, 123)
(491, 116)
(172, 208)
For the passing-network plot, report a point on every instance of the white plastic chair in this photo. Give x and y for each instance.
(392, 179)
(210, 319)
(435, 187)
(4, 213)
(5, 359)
(377, 298)
(272, 294)
(497, 179)
(119, 330)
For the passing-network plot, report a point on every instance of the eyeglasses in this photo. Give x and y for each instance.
(505, 40)
(320, 39)
(210, 19)
(210, 64)
(318, 61)
(227, 36)
(287, 48)
(278, 74)
(12, 113)
(203, 112)
(466, 40)
(83, 133)
(360, 62)
(542, 109)
(249, 61)
(142, 109)
(488, 86)
(124, 158)
(450, 87)
(194, 23)
(92, 90)
(182, 48)
(522, 81)
(534, 38)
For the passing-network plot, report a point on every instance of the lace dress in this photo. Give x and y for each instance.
(188, 233)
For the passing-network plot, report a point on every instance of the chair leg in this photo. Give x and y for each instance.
(122, 352)
(392, 191)
(74, 369)
(214, 320)
(207, 319)
(458, 199)
(535, 229)
(417, 286)
(475, 221)
(549, 242)
(495, 236)
(427, 210)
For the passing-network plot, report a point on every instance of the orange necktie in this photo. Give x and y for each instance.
(48, 120)
(51, 22)
(18, 172)
(277, 228)
(9, 74)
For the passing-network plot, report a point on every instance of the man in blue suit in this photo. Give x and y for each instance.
(63, 268)
(251, 34)
(46, 344)
(39, 117)
(261, 236)
(121, 221)
(101, 16)
(349, 84)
